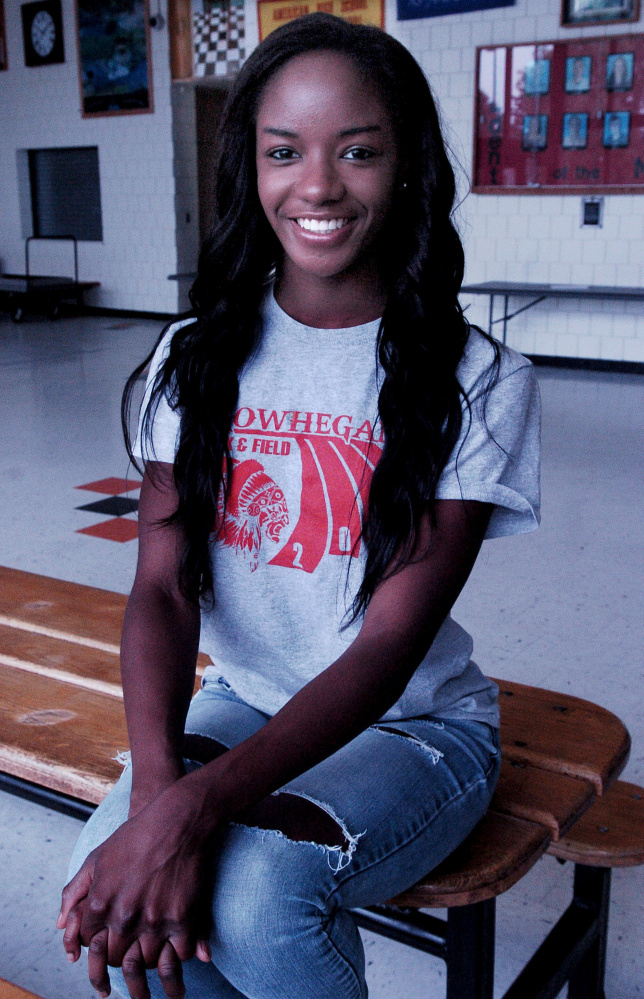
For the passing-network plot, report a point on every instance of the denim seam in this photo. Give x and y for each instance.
(410, 839)
(344, 959)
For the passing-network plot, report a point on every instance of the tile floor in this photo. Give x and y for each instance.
(561, 608)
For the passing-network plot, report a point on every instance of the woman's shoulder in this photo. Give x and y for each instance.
(163, 345)
(169, 331)
(487, 362)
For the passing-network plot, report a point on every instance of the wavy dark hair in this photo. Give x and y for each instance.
(422, 334)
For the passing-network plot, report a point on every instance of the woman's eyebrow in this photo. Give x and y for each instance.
(359, 129)
(285, 133)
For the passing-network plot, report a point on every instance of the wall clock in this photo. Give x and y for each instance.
(42, 29)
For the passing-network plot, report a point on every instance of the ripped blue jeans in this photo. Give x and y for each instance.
(404, 794)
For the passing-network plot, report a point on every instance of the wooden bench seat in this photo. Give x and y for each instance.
(62, 725)
(9, 991)
(610, 834)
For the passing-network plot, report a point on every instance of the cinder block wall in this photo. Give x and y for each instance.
(528, 237)
(39, 108)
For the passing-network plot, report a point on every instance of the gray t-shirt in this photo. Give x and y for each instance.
(305, 441)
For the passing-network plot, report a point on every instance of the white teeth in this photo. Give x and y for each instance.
(321, 225)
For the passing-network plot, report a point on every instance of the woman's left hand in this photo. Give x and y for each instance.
(142, 898)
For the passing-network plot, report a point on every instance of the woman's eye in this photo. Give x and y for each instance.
(358, 153)
(283, 153)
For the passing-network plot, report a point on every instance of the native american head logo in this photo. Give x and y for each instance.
(256, 507)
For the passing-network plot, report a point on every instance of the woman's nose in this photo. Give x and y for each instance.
(320, 180)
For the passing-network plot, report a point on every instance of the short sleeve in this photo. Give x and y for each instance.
(161, 444)
(497, 457)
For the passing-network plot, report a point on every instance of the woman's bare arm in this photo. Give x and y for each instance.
(159, 645)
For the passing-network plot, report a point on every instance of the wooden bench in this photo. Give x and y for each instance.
(62, 732)
(9, 991)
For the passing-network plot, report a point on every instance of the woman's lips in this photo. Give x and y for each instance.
(321, 225)
(331, 230)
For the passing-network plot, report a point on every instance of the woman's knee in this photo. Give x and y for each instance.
(276, 929)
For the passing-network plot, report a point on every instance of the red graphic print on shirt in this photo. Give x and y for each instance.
(337, 460)
(256, 506)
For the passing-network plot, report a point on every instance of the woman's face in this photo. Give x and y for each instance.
(326, 164)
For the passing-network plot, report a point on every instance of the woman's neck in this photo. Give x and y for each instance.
(330, 302)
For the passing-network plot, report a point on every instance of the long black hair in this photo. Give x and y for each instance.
(422, 335)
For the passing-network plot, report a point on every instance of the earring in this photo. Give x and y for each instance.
(404, 184)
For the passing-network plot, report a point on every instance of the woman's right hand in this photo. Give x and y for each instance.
(147, 886)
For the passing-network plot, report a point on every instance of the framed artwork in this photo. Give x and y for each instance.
(42, 32)
(574, 133)
(619, 71)
(272, 13)
(578, 74)
(114, 57)
(537, 77)
(3, 40)
(617, 127)
(534, 132)
(575, 12)
(560, 117)
(413, 9)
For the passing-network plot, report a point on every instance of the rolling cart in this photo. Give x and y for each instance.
(42, 294)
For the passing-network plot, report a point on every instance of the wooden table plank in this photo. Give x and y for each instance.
(562, 733)
(550, 799)
(493, 858)
(9, 991)
(92, 668)
(59, 735)
(610, 834)
(84, 611)
(83, 662)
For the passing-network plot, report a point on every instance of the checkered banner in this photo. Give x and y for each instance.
(218, 37)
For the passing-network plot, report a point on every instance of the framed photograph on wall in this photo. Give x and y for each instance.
(619, 71)
(114, 63)
(576, 12)
(574, 133)
(578, 74)
(560, 117)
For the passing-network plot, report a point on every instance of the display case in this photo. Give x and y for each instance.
(560, 117)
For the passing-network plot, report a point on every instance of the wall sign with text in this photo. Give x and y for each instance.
(272, 14)
(411, 9)
(560, 117)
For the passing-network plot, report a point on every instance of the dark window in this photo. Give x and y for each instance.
(65, 192)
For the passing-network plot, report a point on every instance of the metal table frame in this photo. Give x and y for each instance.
(539, 292)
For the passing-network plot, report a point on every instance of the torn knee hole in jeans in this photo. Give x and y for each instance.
(289, 814)
(434, 754)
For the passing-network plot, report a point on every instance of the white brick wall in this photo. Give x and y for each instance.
(40, 107)
(529, 237)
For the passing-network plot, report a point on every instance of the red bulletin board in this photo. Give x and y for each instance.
(560, 117)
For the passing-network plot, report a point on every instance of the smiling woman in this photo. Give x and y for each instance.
(326, 443)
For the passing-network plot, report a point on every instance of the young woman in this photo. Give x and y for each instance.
(326, 442)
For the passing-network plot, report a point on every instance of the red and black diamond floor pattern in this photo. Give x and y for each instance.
(116, 504)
